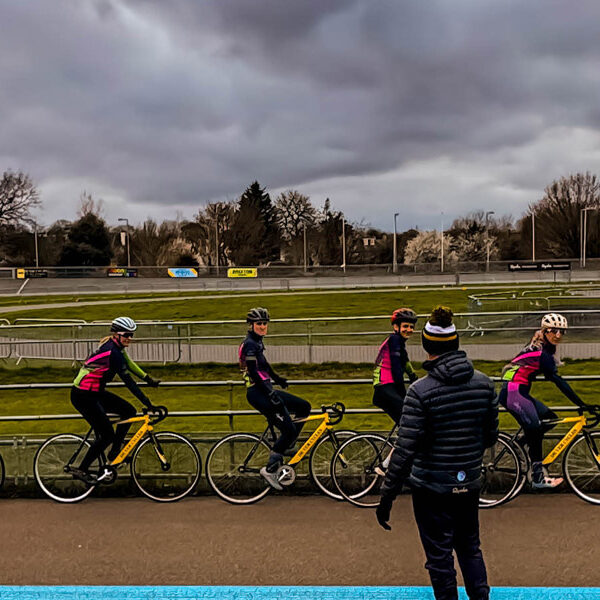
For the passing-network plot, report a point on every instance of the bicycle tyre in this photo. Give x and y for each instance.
(2, 472)
(319, 462)
(582, 469)
(353, 468)
(233, 474)
(184, 467)
(49, 469)
(500, 473)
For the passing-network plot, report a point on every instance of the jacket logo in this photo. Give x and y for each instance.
(459, 490)
(461, 476)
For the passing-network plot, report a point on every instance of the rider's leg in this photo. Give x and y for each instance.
(115, 404)
(88, 404)
(389, 398)
(299, 407)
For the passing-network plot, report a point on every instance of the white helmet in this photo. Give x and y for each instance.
(554, 320)
(123, 325)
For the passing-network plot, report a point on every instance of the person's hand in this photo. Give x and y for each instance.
(383, 511)
(151, 382)
(281, 381)
(274, 398)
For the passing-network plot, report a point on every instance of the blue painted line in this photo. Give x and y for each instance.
(275, 593)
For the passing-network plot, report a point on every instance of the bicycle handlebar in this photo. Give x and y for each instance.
(160, 414)
(336, 412)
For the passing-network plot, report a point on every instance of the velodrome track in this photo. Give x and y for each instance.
(536, 540)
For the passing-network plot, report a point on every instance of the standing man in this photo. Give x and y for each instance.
(449, 417)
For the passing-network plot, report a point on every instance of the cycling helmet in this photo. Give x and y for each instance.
(403, 315)
(123, 325)
(257, 314)
(554, 320)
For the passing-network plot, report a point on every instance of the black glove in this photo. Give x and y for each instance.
(412, 376)
(383, 511)
(591, 408)
(280, 381)
(151, 382)
(274, 398)
(151, 408)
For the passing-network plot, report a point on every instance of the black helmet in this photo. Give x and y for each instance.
(257, 314)
(403, 315)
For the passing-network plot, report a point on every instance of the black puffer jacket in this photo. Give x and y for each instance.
(449, 417)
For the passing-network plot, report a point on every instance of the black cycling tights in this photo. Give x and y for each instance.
(93, 406)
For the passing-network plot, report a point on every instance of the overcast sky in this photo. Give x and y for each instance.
(417, 107)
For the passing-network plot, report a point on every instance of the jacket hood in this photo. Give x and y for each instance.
(451, 368)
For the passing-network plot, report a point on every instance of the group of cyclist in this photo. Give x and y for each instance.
(90, 397)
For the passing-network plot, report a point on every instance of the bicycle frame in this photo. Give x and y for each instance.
(579, 424)
(314, 437)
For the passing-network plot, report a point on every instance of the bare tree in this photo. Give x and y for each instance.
(89, 206)
(294, 210)
(18, 196)
(557, 215)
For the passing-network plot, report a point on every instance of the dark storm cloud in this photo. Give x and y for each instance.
(182, 102)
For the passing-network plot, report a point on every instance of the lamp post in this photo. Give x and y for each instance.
(305, 257)
(35, 239)
(127, 240)
(395, 259)
(344, 244)
(533, 237)
(217, 242)
(442, 246)
(487, 240)
(583, 235)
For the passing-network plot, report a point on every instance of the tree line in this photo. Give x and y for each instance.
(255, 230)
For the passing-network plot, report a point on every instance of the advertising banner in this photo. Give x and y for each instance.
(549, 265)
(121, 272)
(183, 272)
(31, 273)
(236, 272)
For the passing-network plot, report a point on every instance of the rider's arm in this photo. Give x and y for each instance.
(410, 433)
(257, 380)
(410, 371)
(133, 366)
(119, 364)
(278, 379)
(398, 359)
(551, 374)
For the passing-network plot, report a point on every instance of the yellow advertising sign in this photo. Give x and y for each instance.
(20, 273)
(235, 272)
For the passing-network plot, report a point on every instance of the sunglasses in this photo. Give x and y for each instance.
(262, 323)
(556, 330)
(127, 334)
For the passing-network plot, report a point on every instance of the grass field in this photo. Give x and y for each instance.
(33, 402)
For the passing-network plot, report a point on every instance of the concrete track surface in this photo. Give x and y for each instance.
(534, 541)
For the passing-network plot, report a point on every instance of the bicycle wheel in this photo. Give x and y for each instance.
(233, 465)
(174, 476)
(2, 471)
(500, 474)
(357, 469)
(50, 462)
(581, 466)
(319, 461)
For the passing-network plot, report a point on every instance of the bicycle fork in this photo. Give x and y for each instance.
(164, 463)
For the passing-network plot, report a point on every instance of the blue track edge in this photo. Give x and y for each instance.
(275, 592)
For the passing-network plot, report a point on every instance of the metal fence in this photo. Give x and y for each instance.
(489, 335)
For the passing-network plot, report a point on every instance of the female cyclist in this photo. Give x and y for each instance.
(274, 405)
(90, 398)
(391, 364)
(539, 357)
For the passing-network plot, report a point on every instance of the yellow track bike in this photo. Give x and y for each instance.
(233, 464)
(164, 466)
(506, 464)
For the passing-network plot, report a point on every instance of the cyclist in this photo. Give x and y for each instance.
(274, 405)
(539, 357)
(90, 398)
(391, 364)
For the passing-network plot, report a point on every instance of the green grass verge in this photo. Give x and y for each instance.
(33, 402)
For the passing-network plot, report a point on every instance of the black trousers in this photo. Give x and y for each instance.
(447, 523)
(93, 406)
(280, 416)
(389, 397)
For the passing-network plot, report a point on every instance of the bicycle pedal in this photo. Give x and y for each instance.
(286, 475)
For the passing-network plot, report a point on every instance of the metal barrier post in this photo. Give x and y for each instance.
(309, 336)
(189, 339)
(230, 389)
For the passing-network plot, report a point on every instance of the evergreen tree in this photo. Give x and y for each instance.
(88, 243)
